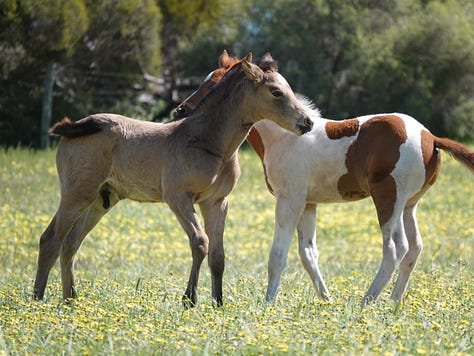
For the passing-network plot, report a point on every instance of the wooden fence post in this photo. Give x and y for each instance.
(47, 106)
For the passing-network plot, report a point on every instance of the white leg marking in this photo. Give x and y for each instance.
(395, 246)
(308, 249)
(408, 263)
(286, 215)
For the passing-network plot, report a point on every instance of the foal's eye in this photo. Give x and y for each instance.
(277, 92)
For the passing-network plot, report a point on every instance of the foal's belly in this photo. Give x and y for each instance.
(325, 197)
(143, 195)
(330, 194)
(136, 188)
(327, 187)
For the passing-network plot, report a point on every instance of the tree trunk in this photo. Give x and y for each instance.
(47, 106)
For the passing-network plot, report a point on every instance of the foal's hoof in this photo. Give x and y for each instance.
(69, 298)
(326, 297)
(217, 303)
(269, 302)
(366, 301)
(69, 301)
(37, 296)
(188, 302)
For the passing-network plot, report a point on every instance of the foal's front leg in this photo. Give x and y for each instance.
(182, 205)
(214, 214)
(287, 212)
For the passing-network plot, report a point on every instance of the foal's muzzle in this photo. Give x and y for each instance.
(305, 126)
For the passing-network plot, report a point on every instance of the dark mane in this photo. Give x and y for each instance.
(223, 83)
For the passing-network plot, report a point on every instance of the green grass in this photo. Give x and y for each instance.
(133, 268)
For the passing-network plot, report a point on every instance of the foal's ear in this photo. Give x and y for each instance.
(223, 58)
(252, 71)
(267, 57)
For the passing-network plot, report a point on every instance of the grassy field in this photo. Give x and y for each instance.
(133, 268)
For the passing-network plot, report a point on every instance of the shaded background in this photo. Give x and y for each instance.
(141, 57)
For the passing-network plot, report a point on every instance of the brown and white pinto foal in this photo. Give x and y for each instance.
(104, 158)
(389, 157)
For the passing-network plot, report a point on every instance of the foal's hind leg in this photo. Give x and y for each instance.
(49, 252)
(395, 244)
(408, 263)
(308, 250)
(214, 214)
(74, 239)
(181, 204)
(51, 241)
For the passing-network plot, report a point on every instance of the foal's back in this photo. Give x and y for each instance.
(127, 154)
(340, 161)
(137, 159)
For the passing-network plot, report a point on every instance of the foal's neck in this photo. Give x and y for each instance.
(220, 126)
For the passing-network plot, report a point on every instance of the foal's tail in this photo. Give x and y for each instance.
(68, 128)
(460, 152)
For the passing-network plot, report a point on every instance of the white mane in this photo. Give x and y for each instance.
(310, 105)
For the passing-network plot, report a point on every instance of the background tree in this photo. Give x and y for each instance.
(107, 70)
(422, 62)
(140, 57)
(227, 30)
(34, 35)
(359, 57)
(101, 50)
(181, 21)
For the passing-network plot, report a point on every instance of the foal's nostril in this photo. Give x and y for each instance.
(305, 126)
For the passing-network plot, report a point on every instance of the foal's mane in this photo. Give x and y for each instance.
(222, 84)
(310, 105)
(268, 64)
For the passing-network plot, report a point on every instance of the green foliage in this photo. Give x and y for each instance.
(459, 120)
(350, 57)
(121, 44)
(133, 268)
(55, 26)
(422, 63)
(45, 28)
(124, 36)
(361, 57)
(185, 17)
(101, 49)
(227, 31)
(37, 32)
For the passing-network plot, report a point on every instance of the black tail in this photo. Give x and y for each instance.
(68, 128)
